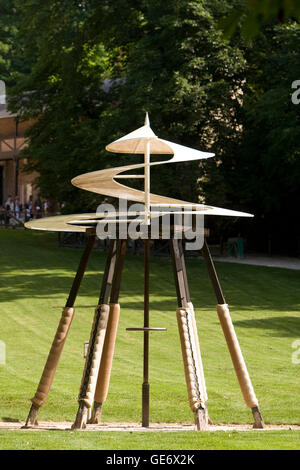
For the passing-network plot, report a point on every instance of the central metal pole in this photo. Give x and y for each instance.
(147, 176)
(146, 386)
(147, 183)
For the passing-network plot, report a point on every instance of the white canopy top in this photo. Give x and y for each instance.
(135, 142)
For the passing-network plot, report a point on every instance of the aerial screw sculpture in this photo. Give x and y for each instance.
(99, 358)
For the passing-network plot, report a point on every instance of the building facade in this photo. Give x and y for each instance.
(14, 182)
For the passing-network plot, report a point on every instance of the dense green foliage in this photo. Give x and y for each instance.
(62, 92)
(96, 67)
(12, 62)
(253, 14)
(7, 36)
(268, 160)
(165, 58)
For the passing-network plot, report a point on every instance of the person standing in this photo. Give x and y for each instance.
(46, 207)
(30, 207)
(9, 206)
(38, 208)
(18, 208)
(27, 213)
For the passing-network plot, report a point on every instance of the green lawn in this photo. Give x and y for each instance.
(66, 440)
(264, 302)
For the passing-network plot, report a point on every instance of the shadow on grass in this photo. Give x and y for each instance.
(49, 283)
(6, 419)
(285, 326)
(32, 266)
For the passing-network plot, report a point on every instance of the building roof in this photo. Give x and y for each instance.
(11, 133)
(8, 124)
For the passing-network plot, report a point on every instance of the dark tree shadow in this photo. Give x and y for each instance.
(10, 420)
(285, 326)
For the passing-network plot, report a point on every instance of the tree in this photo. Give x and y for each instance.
(62, 94)
(167, 58)
(10, 48)
(267, 161)
(176, 66)
(252, 15)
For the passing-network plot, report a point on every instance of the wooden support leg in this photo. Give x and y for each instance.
(97, 338)
(232, 342)
(113, 285)
(196, 338)
(201, 419)
(89, 378)
(191, 368)
(106, 363)
(191, 307)
(59, 340)
(189, 340)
